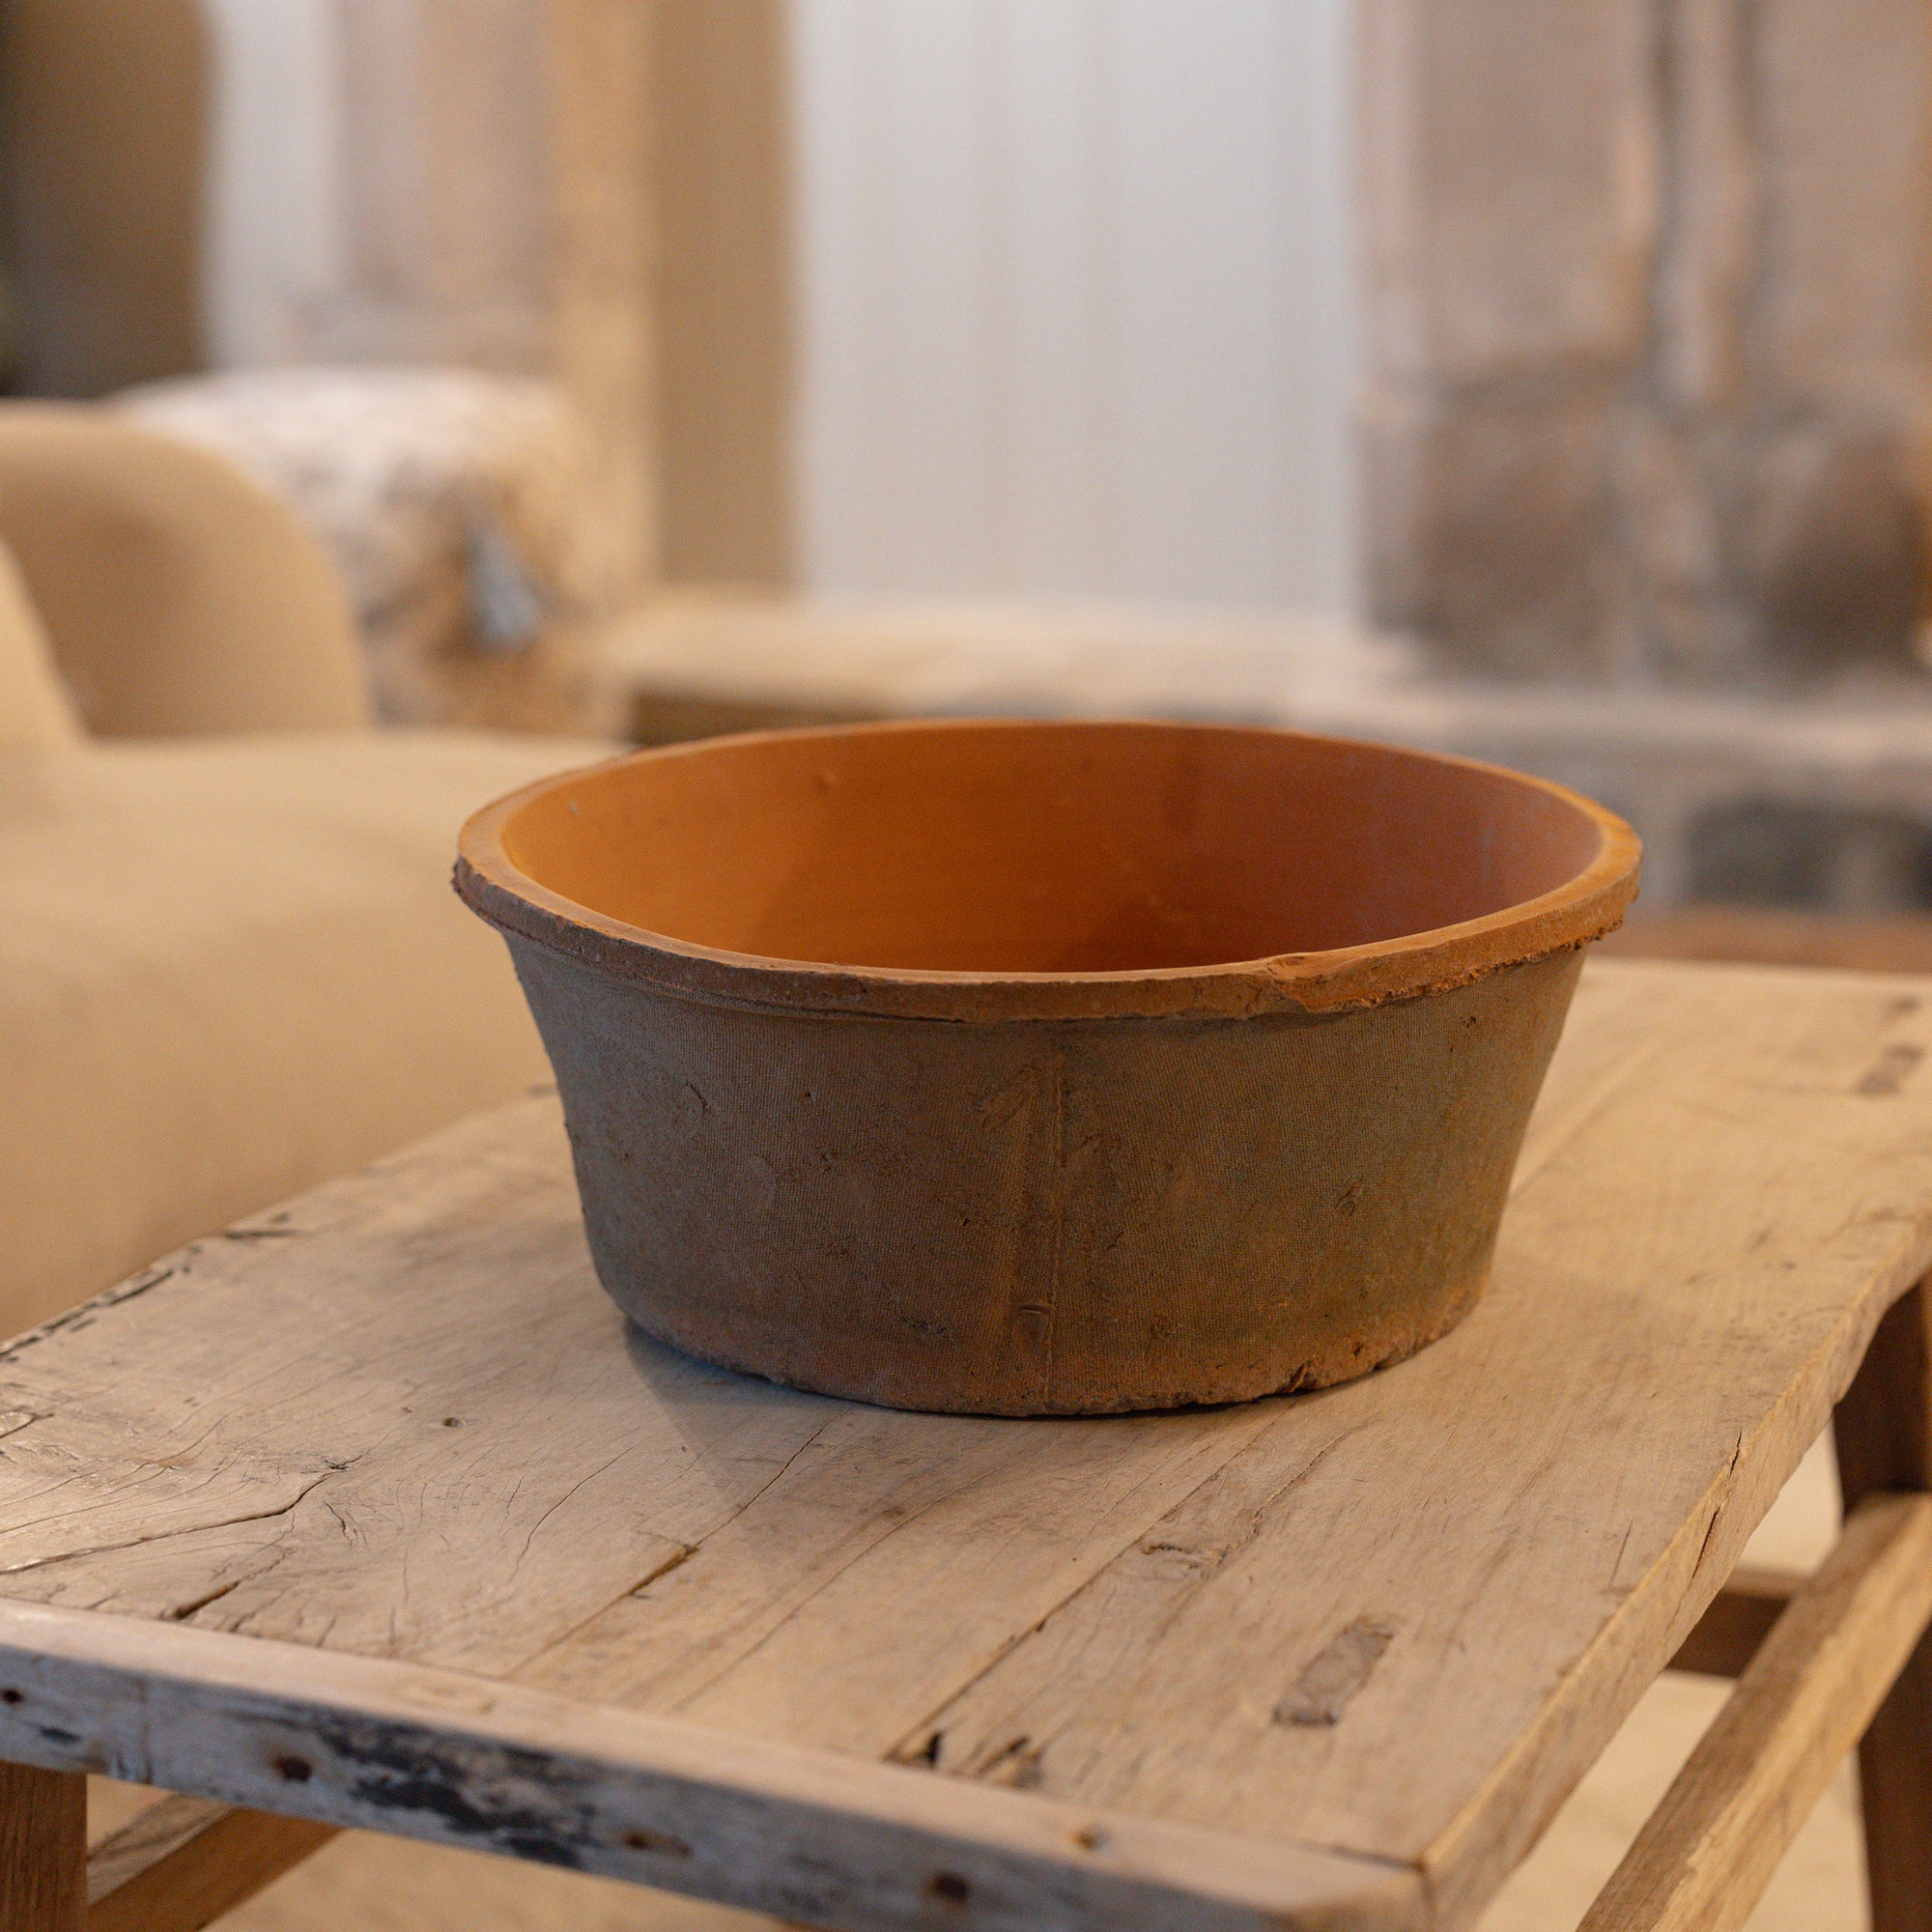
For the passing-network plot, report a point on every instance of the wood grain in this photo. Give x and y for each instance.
(437, 1446)
(1706, 1854)
(811, 1835)
(43, 1849)
(185, 1863)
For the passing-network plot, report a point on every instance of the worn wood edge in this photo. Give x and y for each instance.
(1703, 1859)
(1740, 1617)
(188, 1861)
(812, 1835)
(1495, 1831)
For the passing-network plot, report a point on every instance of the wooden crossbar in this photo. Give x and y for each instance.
(185, 1863)
(1729, 1633)
(43, 1849)
(1704, 1857)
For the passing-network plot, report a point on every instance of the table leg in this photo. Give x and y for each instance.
(42, 1849)
(1884, 1434)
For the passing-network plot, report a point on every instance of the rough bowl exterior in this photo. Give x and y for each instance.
(1143, 1181)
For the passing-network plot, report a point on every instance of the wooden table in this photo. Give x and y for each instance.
(370, 1514)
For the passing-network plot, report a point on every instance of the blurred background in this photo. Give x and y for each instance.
(1544, 379)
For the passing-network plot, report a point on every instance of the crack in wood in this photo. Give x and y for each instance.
(923, 1756)
(676, 1560)
(166, 1535)
(1017, 1763)
(181, 1613)
(1723, 1485)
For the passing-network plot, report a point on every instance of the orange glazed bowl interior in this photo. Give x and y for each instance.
(1022, 851)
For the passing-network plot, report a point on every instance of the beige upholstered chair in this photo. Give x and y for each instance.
(230, 963)
(178, 598)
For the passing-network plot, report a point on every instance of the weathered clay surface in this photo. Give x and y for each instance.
(1027, 1070)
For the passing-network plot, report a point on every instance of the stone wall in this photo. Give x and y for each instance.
(1647, 282)
(442, 186)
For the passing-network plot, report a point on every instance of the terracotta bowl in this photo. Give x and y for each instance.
(1021, 1069)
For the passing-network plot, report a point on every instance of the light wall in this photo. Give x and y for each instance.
(274, 214)
(1076, 299)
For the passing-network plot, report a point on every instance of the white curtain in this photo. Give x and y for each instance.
(1078, 298)
(273, 239)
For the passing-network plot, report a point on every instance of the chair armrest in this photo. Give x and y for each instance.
(178, 597)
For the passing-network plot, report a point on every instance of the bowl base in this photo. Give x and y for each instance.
(1328, 1370)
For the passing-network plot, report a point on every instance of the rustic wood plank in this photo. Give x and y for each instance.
(463, 1761)
(439, 1446)
(1705, 1856)
(43, 1849)
(186, 1861)
(554, 1477)
(1729, 1635)
(1884, 1436)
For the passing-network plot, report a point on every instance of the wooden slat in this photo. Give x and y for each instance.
(43, 1849)
(1729, 1635)
(1884, 1432)
(183, 1863)
(1705, 1856)
(809, 1835)
(399, 1420)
